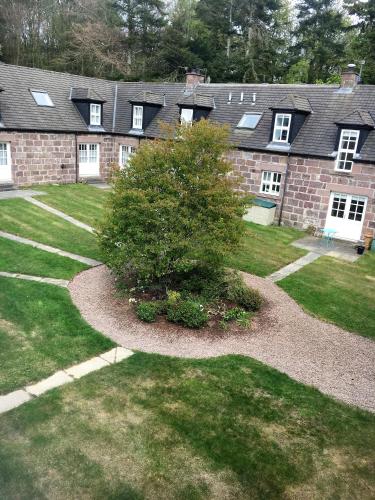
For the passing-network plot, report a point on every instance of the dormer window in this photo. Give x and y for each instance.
(347, 149)
(138, 117)
(186, 117)
(282, 127)
(249, 120)
(42, 98)
(95, 114)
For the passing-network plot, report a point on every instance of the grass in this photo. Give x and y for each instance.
(265, 249)
(337, 291)
(159, 427)
(81, 201)
(19, 258)
(19, 217)
(40, 332)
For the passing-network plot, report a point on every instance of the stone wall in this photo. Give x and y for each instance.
(40, 158)
(309, 184)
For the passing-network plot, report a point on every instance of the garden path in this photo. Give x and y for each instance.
(338, 363)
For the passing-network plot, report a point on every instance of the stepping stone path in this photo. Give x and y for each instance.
(293, 267)
(48, 248)
(58, 213)
(62, 377)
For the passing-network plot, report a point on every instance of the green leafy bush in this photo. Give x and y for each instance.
(188, 313)
(173, 209)
(237, 292)
(148, 311)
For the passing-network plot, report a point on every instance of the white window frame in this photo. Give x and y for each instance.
(272, 180)
(129, 151)
(342, 154)
(8, 157)
(137, 117)
(186, 116)
(95, 114)
(282, 127)
(85, 146)
(47, 104)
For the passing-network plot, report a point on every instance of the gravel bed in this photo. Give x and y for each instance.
(338, 363)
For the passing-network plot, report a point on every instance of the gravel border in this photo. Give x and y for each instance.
(338, 363)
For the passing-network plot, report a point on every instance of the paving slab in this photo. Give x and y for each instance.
(342, 250)
(93, 364)
(19, 193)
(47, 248)
(40, 279)
(60, 214)
(116, 355)
(13, 399)
(56, 380)
(294, 266)
(100, 185)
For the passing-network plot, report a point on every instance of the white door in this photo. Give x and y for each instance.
(346, 213)
(5, 163)
(89, 160)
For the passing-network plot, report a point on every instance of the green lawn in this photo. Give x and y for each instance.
(19, 258)
(40, 332)
(338, 291)
(82, 201)
(19, 217)
(157, 427)
(265, 249)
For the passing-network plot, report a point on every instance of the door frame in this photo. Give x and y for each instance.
(349, 197)
(8, 180)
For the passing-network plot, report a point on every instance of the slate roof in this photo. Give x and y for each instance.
(196, 99)
(87, 94)
(148, 97)
(317, 136)
(359, 117)
(294, 102)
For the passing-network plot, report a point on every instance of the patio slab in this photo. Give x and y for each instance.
(19, 193)
(341, 250)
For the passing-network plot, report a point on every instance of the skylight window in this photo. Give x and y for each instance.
(249, 120)
(42, 98)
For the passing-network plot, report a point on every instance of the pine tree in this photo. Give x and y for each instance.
(320, 36)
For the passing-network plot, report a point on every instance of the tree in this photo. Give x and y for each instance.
(320, 36)
(173, 209)
(362, 46)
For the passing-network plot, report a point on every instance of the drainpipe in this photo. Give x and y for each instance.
(284, 189)
(76, 156)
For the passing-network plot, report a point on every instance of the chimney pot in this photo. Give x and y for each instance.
(349, 77)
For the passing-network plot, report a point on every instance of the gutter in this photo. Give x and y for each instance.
(284, 189)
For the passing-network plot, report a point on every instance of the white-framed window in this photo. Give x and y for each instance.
(186, 117)
(249, 120)
(125, 154)
(138, 117)
(95, 114)
(281, 128)
(271, 182)
(4, 154)
(89, 153)
(42, 98)
(347, 148)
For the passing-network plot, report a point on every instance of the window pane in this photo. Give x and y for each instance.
(42, 98)
(3, 154)
(186, 115)
(249, 120)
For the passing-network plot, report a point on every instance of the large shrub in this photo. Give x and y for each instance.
(173, 209)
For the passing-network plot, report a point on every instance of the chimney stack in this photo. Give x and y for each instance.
(194, 76)
(349, 77)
